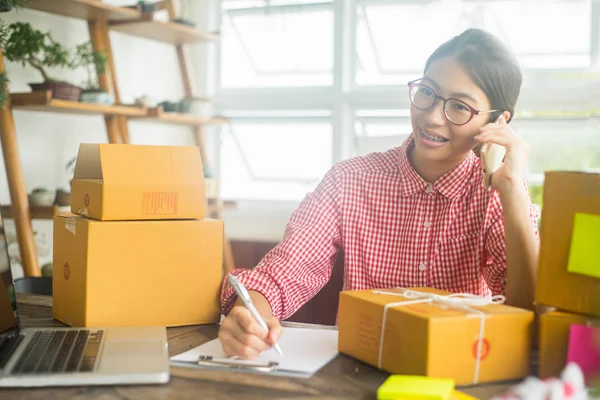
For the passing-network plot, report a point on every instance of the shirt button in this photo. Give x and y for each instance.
(422, 267)
(427, 224)
(429, 189)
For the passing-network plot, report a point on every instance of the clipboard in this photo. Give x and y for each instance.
(306, 350)
(233, 363)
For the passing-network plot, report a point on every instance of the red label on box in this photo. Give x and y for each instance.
(159, 203)
(66, 271)
(485, 349)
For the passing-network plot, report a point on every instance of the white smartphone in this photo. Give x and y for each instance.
(494, 154)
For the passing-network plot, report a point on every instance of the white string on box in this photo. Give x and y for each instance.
(462, 301)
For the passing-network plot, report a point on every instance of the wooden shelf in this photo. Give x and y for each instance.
(127, 20)
(83, 9)
(36, 212)
(156, 114)
(43, 101)
(169, 32)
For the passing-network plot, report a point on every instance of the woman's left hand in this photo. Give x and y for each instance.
(515, 161)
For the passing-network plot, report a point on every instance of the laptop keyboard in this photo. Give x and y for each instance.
(8, 344)
(61, 351)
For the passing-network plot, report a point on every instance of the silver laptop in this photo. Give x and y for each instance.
(74, 356)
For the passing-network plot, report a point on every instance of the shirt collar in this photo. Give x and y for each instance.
(452, 184)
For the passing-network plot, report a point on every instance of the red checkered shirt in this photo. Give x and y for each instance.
(396, 230)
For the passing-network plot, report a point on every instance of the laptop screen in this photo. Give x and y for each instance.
(8, 302)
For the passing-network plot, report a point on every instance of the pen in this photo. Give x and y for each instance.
(243, 294)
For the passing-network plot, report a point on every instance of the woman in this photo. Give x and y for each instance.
(417, 215)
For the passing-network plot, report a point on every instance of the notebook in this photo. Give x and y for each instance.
(305, 351)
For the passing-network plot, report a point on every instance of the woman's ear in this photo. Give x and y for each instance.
(507, 116)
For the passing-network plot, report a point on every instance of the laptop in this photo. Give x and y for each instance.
(32, 357)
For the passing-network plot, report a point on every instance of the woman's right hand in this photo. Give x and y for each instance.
(241, 335)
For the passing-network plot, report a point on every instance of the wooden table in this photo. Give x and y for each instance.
(343, 378)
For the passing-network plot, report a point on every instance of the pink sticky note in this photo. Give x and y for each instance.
(584, 349)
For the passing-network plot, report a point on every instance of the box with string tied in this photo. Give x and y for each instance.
(429, 332)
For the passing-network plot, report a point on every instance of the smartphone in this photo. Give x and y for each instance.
(494, 155)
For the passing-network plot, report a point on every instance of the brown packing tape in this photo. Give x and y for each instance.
(70, 224)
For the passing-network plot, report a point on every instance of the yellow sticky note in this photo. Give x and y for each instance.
(584, 256)
(461, 396)
(410, 387)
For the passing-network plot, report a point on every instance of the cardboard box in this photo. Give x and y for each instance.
(117, 182)
(554, 340)
(434, 339)
(566, 194)
(126, 273)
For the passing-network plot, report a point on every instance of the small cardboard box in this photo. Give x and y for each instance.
(118, 182)
(434, 339)
(565, 195)
(554, 340)
(125, 273)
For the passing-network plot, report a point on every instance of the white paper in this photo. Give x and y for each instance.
(305, 351)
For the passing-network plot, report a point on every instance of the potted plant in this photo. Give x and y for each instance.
(42, 197)
(184, 106)
(146, 8)
(30, 46)
(7, 5)
(92, 60)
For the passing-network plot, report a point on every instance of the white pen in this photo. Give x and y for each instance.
(243, 294)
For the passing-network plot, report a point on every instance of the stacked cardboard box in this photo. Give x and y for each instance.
(569, 266)
(139, 251)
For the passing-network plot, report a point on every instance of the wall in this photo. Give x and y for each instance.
(48, 141)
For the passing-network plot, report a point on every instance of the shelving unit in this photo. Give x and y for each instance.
(43, 101)
(36, 212)
(156, 114)
(169, 32)
(83, 9)
(101, 19)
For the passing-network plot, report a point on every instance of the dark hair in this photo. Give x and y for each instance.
(489, 63)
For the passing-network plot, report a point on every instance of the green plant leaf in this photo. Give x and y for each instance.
(89, 59)
(3, 89)
(30, 46)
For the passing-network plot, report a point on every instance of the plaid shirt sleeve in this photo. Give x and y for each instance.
(494, 271)
(301, 264)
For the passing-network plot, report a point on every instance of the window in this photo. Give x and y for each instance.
(274, 159)
(394, 39)
(566, 145)
(274, 44)
(280, 60)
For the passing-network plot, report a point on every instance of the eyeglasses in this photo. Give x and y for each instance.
(456, 111)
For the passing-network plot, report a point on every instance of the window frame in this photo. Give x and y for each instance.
(344, 97)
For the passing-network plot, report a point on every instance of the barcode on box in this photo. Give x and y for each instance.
(159, 203)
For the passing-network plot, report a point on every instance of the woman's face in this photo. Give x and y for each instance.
(447, 78)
